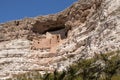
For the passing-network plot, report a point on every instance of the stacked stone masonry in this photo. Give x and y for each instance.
(48, 42)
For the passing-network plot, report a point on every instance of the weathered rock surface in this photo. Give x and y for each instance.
(94, 27)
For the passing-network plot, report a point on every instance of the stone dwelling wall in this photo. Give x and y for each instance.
(41, 43)
(48, 42)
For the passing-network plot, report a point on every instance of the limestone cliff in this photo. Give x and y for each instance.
(90, 26)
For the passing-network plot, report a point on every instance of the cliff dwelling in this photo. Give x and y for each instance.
(48, 38)
(46, 42)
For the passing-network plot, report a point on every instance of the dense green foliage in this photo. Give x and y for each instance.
(101, 67)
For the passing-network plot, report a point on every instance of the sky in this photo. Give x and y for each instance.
(18, 9)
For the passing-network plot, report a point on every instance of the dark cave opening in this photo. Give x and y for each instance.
(55, 28)
(58, 30)
(51, 27)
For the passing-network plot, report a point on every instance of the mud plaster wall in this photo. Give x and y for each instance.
(48, 42)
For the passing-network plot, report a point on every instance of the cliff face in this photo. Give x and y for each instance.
(92, 27)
